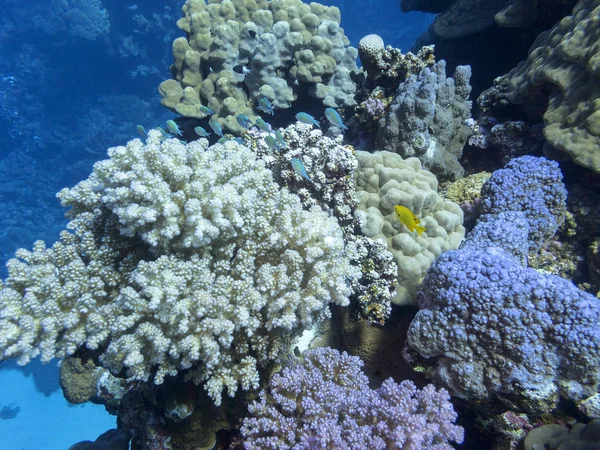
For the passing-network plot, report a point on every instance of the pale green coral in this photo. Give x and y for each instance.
(385, 180)
(284, 44)
(183, 257)
(468, 189)
(566, 58)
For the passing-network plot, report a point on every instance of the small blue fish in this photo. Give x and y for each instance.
(163, 132)
(206, 110)
(335, 119)
(272, 143)
(239, 140)
(201, 132)
(262, 125)
(265, 106)
(307, 118)
(140, 129)
(244, 121)
(280, 141)
(173, 128)
(300, 169)
(216, 128)
(222, 140)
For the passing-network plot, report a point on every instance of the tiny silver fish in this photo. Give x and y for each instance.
(241, 69)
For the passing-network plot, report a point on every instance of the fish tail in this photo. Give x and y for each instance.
(420, 229)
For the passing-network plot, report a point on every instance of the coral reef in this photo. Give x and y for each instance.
(332, 168)
(531, 185)
(427, 120)
(384, 180)
(181, 258)
(387, 66)
(289, 47)
(497, 328)
(562, 72)
(555, 437)
(325, 402)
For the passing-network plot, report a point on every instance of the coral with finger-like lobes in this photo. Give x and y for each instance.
(561, 76)
(427, 119)
(180, 258)
(237, 52)
(325, 402)
(383, 181)
(495, 329)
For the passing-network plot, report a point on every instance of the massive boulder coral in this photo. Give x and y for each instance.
(499, 329)
(385, 180)
(288, 46)
(532, 186)
(427, 119)
(180, 258)
(562, 71)
(325, 402)
(496, 328)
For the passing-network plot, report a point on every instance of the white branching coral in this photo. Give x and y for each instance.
(182, 257)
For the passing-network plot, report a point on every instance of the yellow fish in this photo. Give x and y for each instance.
(407, 217)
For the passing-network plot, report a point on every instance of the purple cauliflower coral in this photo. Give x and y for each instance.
(534, 186)
(506, 230)
(497, 328)
(325, 402)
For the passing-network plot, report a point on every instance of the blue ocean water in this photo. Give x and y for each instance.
(75, 81)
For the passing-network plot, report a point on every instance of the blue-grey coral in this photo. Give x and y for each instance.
(180, 257)
(498, 328)
(427, 119)
(384, 180)
(325, 402)
(531, 185)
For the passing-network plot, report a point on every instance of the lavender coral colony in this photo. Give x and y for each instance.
(203, 280)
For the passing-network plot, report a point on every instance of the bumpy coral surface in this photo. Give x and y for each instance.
(531, 185)
(287, 46)
(325, 402)
(499, 328)
(427, 119)
(331, 167)
(180, 257)
(566, 62)
(387, 66)
(385, 180)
